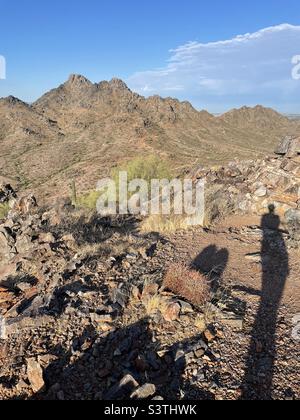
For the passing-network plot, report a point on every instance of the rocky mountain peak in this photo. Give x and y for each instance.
(77, 80)
(12, 100)
(118, 84)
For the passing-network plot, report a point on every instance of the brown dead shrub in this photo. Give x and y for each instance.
(188, 284)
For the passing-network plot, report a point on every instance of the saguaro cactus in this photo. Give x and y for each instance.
(73, 193)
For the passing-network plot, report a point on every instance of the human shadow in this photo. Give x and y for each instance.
(260, 364)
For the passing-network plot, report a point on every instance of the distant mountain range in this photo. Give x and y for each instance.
(293, 116)
(81, 130)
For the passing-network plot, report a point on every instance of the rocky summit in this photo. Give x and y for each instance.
(92, 307)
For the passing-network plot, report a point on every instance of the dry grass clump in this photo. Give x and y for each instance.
(155, 303)
(164, 224)
(4, 209)
(188, 284)
(200, 323)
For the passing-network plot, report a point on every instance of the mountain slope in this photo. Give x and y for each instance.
(80, 130)
(23, 131)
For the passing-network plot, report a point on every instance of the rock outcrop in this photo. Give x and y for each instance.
(250, 187)
(7, 193)
(289, 147)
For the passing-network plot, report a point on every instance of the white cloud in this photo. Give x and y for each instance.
(250, 68)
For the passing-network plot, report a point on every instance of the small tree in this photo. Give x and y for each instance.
(144, 167)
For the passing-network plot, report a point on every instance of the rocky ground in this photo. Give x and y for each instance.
(84, 314)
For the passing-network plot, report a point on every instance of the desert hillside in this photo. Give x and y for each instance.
(80, 130)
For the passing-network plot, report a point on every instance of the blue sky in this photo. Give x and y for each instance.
(167, 47)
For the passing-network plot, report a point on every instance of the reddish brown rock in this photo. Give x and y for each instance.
(171, 312)
(35, 375)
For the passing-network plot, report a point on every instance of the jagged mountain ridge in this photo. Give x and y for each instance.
(80, 130)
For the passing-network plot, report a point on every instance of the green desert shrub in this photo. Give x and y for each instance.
(146, 168)
(88, 200)
(4, 209)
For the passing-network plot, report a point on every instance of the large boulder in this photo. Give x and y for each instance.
(292, 219)
(7, 193)
(7, 244)
(293, 216)
(23, 206)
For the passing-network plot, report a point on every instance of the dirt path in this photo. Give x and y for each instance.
(263, 360)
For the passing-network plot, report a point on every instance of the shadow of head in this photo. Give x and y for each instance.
(271, 220)
(271, 208)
